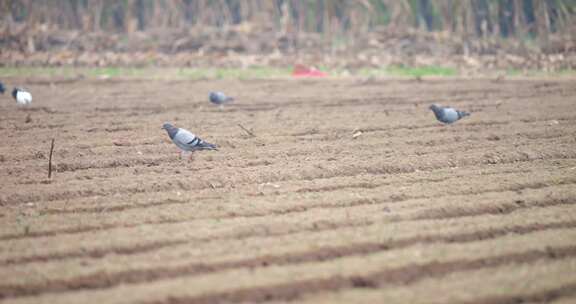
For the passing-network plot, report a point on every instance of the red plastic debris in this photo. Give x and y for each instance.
(304, 71)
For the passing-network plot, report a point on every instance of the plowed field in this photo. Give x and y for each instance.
(346, 191)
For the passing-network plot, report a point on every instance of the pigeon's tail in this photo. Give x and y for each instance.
(463, 114)
(207, 146)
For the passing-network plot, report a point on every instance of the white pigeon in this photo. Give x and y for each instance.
(186, 141)
(22, 97)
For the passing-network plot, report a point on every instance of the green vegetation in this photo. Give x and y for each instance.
(232, 73)
(70, 72)
(146, 73)
(404, 71)
(248, 73)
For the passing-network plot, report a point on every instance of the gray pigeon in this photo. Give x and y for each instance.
(219, 98)
(447, 115)
(185, 140)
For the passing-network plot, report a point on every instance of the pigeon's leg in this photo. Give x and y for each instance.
(187, 154)
(221, 107)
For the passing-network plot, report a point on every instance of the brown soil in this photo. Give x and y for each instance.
(349, 191)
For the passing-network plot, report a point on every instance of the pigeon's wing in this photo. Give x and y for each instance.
(206, 146)
(450, 115)
(24, 97)
(28, 97)
(190, 142)
(462, 114)
(185, 139)
(220, 98)
(225, 97)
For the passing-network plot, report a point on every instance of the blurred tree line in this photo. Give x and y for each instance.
(480, 18)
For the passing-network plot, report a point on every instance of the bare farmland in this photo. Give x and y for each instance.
(406, 211)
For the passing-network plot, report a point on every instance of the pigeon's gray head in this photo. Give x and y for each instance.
(170, 129)
(436, 109)
(15, 91)
(216, 97)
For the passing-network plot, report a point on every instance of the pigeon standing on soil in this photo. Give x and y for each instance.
(186, 141)
(219, 98)
(2, 88)
(22, 97)
(447, 115)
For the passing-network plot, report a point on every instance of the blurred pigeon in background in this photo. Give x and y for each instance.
(219, 98)
(22, 97)
(447, 115)
(2, 88)
(186, 141)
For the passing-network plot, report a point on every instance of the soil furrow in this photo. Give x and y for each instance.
(93, 253)
(545, 296)
(117, 208)
(404, 275)
(429, 139)
(104, 280)
(316, 226)
(163, 186)
(349, 190)
(270, 174)
(441, 213)
(365, 185)
(336, 185)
